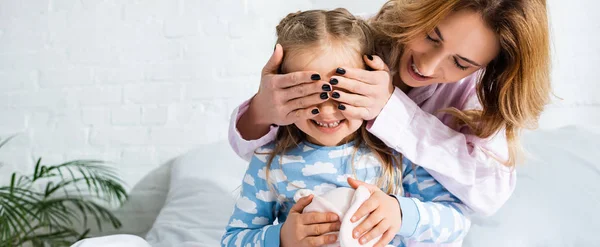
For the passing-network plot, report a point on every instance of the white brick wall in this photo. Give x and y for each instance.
(132, 82)
(139, 82)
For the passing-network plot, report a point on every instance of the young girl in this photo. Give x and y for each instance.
(328, 150)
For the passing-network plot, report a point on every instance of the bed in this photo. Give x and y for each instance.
(555, 203)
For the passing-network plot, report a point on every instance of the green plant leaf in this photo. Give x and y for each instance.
(47, 217)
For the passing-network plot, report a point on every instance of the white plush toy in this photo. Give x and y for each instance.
(344, 202)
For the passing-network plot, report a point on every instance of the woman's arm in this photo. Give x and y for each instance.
(469, 167)
(239, 124)
(282, 99)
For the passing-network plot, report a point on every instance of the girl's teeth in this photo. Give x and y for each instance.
(328, 125)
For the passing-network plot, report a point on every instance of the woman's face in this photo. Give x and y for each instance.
(460, 45)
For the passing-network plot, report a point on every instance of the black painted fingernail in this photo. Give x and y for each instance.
(333, 81)
(341, 107)
(340, 71)
(324, 96)
(335, 95)
(315, 111)
(315, 77)
(326, 88)
(370, 57)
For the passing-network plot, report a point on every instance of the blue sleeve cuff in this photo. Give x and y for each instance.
(272, 236)
(410, 216)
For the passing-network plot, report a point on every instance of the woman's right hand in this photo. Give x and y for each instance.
(308, 229)
(283, 99)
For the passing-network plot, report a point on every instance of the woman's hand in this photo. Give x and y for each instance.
(366, 92)
(284, 99)
(385, 216)
(300, 230)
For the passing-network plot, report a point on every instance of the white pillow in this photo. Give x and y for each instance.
(204, 185)
(557, 196)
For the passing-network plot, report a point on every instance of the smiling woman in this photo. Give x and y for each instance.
(468, 76)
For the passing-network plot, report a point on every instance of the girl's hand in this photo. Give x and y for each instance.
(385, 216)
(307, 230)
(366, 93)
(284, 99)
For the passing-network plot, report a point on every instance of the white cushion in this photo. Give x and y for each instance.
(204, 184)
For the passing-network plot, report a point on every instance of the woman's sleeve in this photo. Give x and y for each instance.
(245, 148)
(468, 166)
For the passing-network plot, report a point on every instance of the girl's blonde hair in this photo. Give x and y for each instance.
(320, 29)
(514, 87)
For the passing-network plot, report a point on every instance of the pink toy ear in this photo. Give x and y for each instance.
(345, 236)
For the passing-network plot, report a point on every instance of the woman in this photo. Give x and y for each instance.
(455, 83)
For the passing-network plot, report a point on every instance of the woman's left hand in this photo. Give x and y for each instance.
(366, 92)
(385, 216)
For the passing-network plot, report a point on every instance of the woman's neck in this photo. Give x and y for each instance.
(400, 84)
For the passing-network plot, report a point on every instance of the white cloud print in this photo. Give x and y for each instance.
(367, 161)
(286, 159)
(307, 148)
(318, 168)
(238, 223)
(240, 237)
(261, 221)
(246, 205)
(323, 188)
(276, 175)
(265, 196)
(294, 185)
(341, 152)
(262, 154)
(249, 180)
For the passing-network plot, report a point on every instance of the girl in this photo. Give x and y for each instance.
(327, 150)
(464, 77)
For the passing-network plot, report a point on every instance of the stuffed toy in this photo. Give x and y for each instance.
(344, 202)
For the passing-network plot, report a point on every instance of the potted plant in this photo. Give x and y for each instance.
(52, 205)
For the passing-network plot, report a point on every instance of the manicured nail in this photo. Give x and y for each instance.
(335, 95)
(315, 77)
(324, 96)
(333, 81)
(332, 238)
(370, 57)
(326, 88)
(363, 240)
(342, 107)
(334, 217)
(340, 71)
(356, 234)
(315, 111)
(353, 217)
